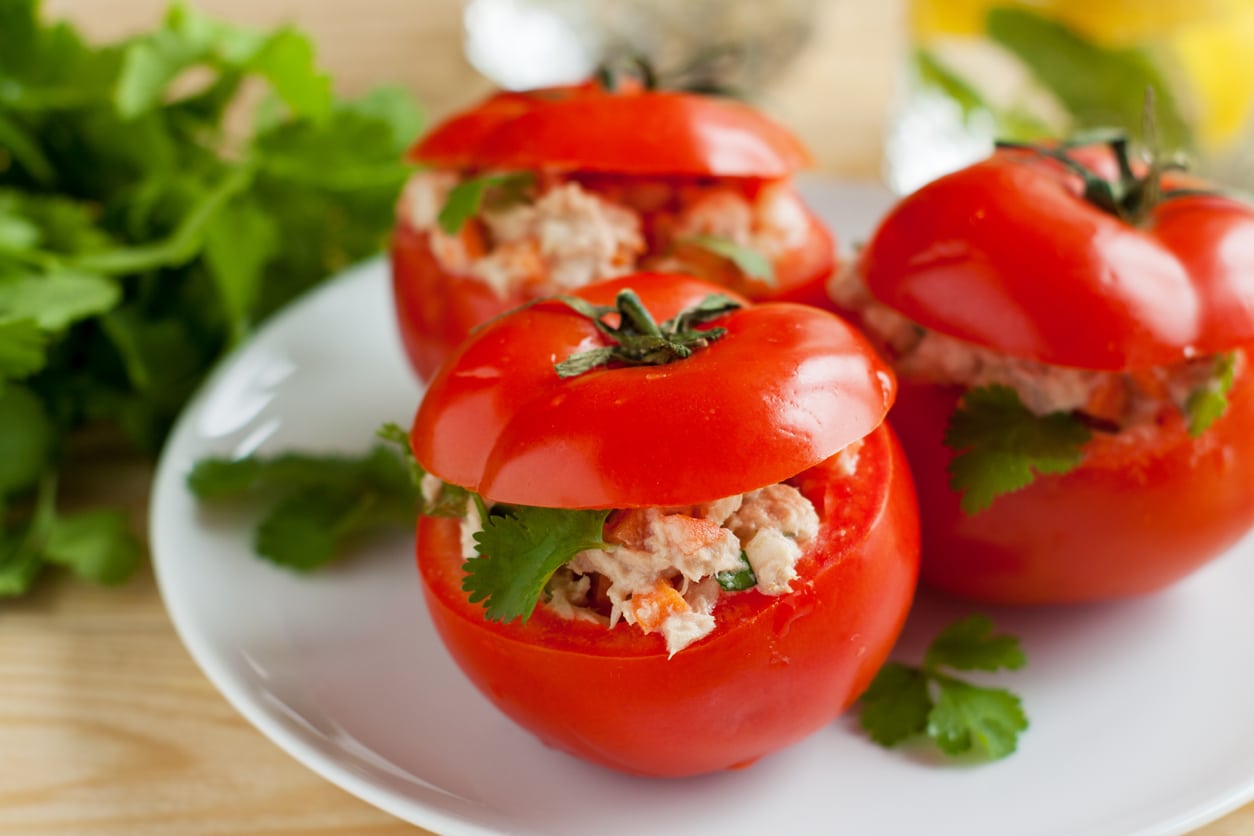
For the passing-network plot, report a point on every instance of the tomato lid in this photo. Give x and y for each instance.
(784, 388)
(628, 131)
(1008, 254)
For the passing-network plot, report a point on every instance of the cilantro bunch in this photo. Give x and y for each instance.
(159, 197)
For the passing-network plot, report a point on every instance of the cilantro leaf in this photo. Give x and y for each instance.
(22, 348)
(239, 242)
(57, 299)
(26, 439)
(97, 545)
(1209, 401)
(749, 261)
(466, 198)
(1002, 446)
(972, 644)
(520, 548)
(19, 563)
(320, 502)
(967, 718)
(304, 529)
(896, 705)
(742, 578)
(960, 717)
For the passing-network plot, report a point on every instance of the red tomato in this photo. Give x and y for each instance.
(627, 146)
(1144, 510)
(498, 419)
(632, 131)
(1008, 255)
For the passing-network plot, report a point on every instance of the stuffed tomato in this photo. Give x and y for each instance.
(529, 194)
(1071, 332)
(667, 530)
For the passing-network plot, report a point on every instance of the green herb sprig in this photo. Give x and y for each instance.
(143, 233)
(959, 717)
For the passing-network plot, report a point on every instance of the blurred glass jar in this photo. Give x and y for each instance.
(981, 70)
(729, 45)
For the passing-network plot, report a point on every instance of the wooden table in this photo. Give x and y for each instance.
(106, 725)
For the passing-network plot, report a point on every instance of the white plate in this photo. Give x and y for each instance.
(1142, 718)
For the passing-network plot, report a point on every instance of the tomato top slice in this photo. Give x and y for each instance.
(1007, 254)
(627, 131)
(785, 388)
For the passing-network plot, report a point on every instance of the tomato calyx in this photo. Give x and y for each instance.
(638, 339)
(1130, 196)
(704, 74)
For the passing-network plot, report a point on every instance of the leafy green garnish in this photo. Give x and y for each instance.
(1095, 84)
(141, 236)
(1002, 446)
(320, 502)
(466, 198)
(520, 548)
(1209, 401)
(959, 717)
(749, 261)
(97, 545)
(740, 579)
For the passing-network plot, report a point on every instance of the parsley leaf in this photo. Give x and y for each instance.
(971, 644)
(1002, 446)
(739, 579)
(145, 197)
(466, 198)
(26, 439)
(896, 705)
(97, 545)
(749, 261)
(903, 702)
(1209, 401)
(520, 548)
(22, 348)
(321, 503)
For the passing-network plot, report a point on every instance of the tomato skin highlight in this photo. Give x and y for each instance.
(1006, 254)
(604, 140)
(1142, 511)
(774, 670)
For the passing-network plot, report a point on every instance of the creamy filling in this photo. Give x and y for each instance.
(566, 234)
(662, 568)
(1115, 399)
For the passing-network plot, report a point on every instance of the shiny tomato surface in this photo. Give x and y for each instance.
(1014, 254)
(611, 142)
(1147, 507)
(775, 399)
(629, 130)
(788, 386)
(1007, 254)
(774, 670)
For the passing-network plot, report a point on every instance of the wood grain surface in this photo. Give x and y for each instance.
(106, 725)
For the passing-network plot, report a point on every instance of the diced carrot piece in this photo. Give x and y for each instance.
(1151, 382)
(627, 527)
(652, 608)
(474, 238)
(1109, 400)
